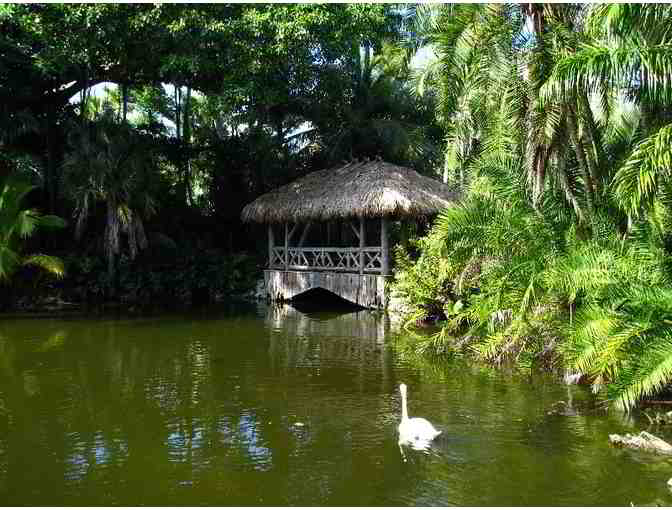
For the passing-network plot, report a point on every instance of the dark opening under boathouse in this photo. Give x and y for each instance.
(330, 228)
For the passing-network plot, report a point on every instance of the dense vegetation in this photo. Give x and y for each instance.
(557, 122)
(553, 120)
(148, 127)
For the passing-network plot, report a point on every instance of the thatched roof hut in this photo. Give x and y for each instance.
(357, 189)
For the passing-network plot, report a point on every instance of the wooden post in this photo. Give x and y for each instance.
(286, 246)
(361, 244)
(271, 243)
(304, 234)
(384, 248)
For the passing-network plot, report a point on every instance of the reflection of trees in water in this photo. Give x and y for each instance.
(178, 402)
(281, 409)
(98, 398)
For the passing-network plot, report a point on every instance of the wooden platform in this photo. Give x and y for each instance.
(367, 290)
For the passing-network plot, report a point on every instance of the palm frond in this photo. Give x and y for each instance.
(628, 66)
(645, 171)
(647, 375)
(51, 264)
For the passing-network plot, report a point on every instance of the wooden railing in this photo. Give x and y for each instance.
(350, 260)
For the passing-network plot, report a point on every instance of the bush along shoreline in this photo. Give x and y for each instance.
(197, 277)
(511, 284)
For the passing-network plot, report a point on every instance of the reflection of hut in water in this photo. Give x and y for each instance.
(363, 324)
(303, 340)
(344, 212)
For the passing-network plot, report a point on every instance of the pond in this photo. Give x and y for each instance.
(257, 405)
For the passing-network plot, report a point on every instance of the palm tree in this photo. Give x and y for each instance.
(629, 57)
(558, 131)
(17, 225)
(381, 116)
(489, 69)
(109, 163)
(473, 60)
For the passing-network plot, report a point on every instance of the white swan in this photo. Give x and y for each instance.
(414, 430)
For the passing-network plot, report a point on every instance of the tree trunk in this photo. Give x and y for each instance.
(594, 155)
(186, 134)
(124, 99)
(178, 110)
(111, 241)
(539, 176)
(581, 157)
(51, 160)
(569, 193)
(84, 96)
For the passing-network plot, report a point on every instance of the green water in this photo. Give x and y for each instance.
(270, 406)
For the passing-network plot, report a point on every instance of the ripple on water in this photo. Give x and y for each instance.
(290, 409)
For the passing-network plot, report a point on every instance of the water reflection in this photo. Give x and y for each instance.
(272, 406)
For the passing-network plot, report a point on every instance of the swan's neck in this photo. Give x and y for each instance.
(404, 410)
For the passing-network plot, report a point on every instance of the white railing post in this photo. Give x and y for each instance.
(271, 242)
(360, 259)
(286, 246)
(384, 248)
(361, 244)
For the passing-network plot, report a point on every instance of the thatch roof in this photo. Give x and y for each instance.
(369, 188)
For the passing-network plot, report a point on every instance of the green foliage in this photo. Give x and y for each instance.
(427, 281)
(166, 279)
(204, 108)
(645, 175)
(17, 225)
(554, 119)
(563, 237)
(111, 164)
(538, 294)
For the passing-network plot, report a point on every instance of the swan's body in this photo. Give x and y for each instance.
(414, 430)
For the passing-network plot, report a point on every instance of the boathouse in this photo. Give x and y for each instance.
(330, 228)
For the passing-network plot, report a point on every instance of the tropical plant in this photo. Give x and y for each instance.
(17, 225)
(559, 132)
(382, 116)
(108, 163)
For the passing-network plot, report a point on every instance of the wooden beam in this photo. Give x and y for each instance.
(291, 233)
(362, 240)
(384, 247)
(271, 243)
(354, 229)
(304, 234)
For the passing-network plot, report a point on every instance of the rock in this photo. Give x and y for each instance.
(257, 292)
(659, 419)
(570, 378)
(399, 304)
(260, 289)
(643, 441)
